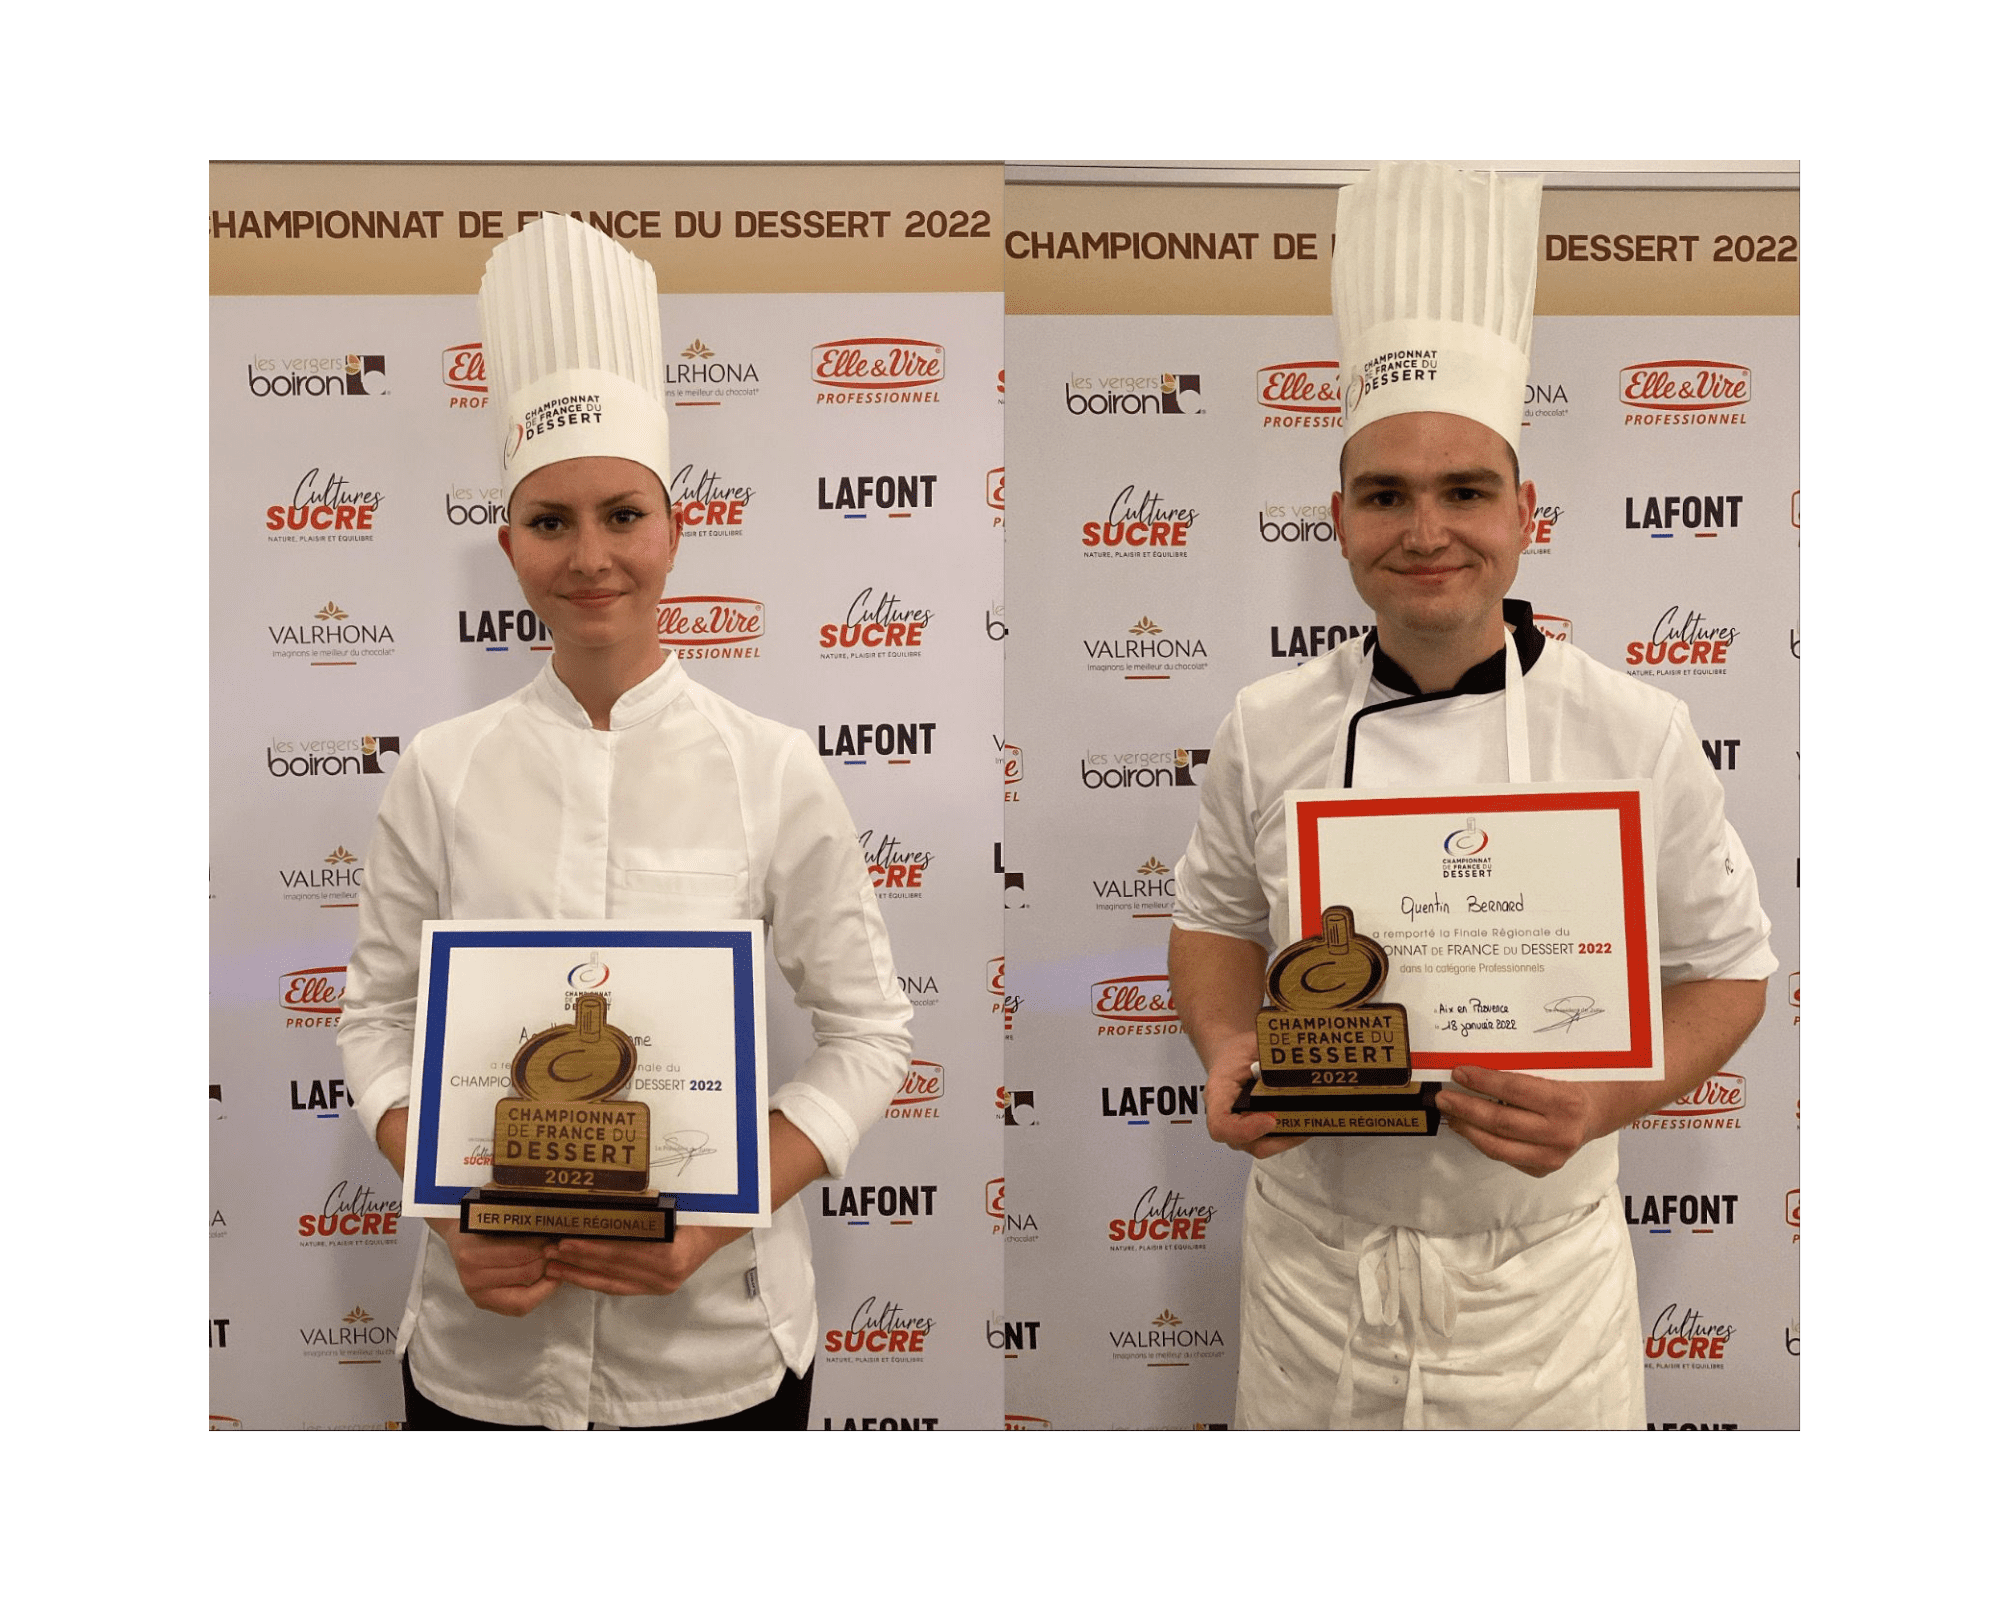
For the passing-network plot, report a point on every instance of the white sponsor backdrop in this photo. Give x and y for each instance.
(391, 607)
(1246, 578)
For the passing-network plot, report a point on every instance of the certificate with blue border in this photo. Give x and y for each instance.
(692, 999)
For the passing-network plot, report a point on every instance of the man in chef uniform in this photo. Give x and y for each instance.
(1482, 1278)
(613, 786)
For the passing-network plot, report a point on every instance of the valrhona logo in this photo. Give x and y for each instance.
(1715, 1103)
(1687, 1338)
(701, 376)
(331, 637)
(1153, 394)
(316, 377)
(1179, 768)
(463, 369)
(1684, 644)
(919, 988)
(706, 504)
(876, 623)
(332, 758)
(351, 1213)
(1160, 1219)
(1707, 393)
(1145, 651)
(1146, 891)
(1543, 401)
(1300, 394)
(895, 866)
(921, 1095)
(880, 1331)
(332, 881)
(1140, 523)
(356, 1338)
(1165, 1341)
(711, 627)
(324, 508)
(877, 371)
(1139, 1003)
(311, 996)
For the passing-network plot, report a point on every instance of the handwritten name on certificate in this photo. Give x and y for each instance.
(1519, 922)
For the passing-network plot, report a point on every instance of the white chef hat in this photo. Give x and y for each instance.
(1434, 292)
(570, 322)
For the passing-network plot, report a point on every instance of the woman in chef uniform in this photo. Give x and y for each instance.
(613, 786)
(1482, 1278)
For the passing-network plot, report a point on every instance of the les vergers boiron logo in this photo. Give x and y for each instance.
(1682, 392)
(876, 370)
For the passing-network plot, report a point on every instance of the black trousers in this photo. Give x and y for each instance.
(790, 1407)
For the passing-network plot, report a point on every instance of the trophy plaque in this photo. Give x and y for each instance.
(1328, 1063)
(569, 1158)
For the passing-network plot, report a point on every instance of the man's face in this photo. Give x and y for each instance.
(592, 541)
(1432, 524)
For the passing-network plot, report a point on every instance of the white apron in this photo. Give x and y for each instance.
(1349, 1324)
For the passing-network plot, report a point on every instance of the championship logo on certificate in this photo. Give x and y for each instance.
(598, 1079)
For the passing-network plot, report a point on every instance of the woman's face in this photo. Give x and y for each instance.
(592, 541)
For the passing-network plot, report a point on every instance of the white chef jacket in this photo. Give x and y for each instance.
(686, 805)
(1582, 721)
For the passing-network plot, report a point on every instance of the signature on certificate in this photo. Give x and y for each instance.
(1573, 1008)
(675, 1150)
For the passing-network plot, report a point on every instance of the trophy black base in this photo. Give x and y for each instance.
(1408, 1111)
(647, 1218)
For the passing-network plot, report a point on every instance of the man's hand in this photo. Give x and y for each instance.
(620, 1266)
(1538, 1123)
(505, 1273)
(1250, 1132)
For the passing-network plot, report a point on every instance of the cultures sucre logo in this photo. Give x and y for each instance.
(862, 1205)
(1684, 643)
(699, 376)
(331, 637)
(463, 370)
(1145, 652)
(1160, 1218)
(1152, 394)
(897, 496)
(895, 744)
(1291, 640)
(355, 1338)
(1542, 530)
(311, 996)
(1178, 768)
(1297, 524)
(1682, 1213)
(369, 755)
(707, 505)
(1145, 891)
(333, 882)
(712, 627)
(1715, 1103)
(921, 1095)
(1664, 516)
(876, 623)
(1140, 1003)
(877, 371)
(1687, 1338)
(880, 1331)
(323, 508)
(895, 866)
(1140, 522)
(316, 377)
(351, 1213)
(1684, 393)
(1166, 1340)
(1300, 394)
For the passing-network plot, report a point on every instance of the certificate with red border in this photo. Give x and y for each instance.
(1519, 922)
